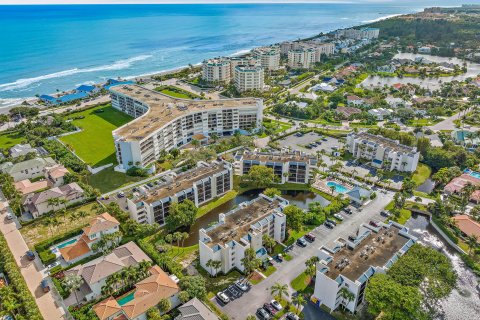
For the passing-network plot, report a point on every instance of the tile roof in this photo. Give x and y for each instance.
(100, 223)
(66, 191)
(458, 183)
(127, 255)
(57, 171)
(26, 186)
(11, 168)
(107, 308)
(76, 250)
(467, 225)
(195, 310)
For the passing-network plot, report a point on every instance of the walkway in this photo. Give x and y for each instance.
(32, 271)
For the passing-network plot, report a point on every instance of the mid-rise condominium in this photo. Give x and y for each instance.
(319, 47)
(383, 152)
(295, 167)
(250, 61)
(201, 184)
(359, 34)
(302, 58)
(216, 71)
(240, 229)
(249, 78)
(164, 123)
(348, 264)
(269, 57)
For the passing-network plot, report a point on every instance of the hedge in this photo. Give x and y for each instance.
(9, 266)
(163, 260)
(43, 248)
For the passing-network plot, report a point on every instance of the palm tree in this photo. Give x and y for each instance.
(269, 242)
(209, 264)
(346, 296)
(73, 282)
(332, 189)
(164, 305)
(10, 302)
(472, 242)
(216, 264)
(298, 301)
(279, 290)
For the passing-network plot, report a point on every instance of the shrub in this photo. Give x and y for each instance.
(47, 256)
(137, 172)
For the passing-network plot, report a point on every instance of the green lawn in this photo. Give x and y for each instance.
(270, 270)
(422, 173)
(403, 216)
(220, 282)
(301, 284)
(275, 126)
(8, 140)
(177, 92)
(109, 179)
(217, 202)
(94, 144)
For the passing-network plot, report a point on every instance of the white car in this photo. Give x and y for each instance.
(223, 297)
(241, 285)
(339, 217)
(276, 304)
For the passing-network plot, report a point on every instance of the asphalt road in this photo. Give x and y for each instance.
(287, 271)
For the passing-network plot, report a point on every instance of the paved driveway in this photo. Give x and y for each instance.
(287, 271)
(33, 272)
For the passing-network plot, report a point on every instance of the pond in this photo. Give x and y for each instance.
(473, 69)
(298, 198)
(427, 186)
(463, 302)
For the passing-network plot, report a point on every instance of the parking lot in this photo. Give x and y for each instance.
(326, 143)
(248, 302)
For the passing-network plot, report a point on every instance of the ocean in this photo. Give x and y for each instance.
(45, 49)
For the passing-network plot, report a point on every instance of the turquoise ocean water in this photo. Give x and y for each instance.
(49, 48)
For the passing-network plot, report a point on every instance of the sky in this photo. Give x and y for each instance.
(26, 2)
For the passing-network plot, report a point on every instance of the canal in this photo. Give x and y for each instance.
(464, 302)
(298, 198)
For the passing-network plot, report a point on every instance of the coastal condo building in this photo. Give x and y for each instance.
(358, 34)
(294, 167)
(319, 47)
(383, 152)
(201, 184)
(164, 123)
(216, 71)
(302, 58)
(269, 57)
(349, 264)
(248, 61)
(240, 229)
(249, 78)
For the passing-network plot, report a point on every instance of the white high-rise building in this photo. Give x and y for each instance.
(301, 58)
(251, 61)
(249, 78)
(269, 57)
(216, 71)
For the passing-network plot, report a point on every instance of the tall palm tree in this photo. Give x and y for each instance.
(279, 290)
(73, 282)
(346, 296)
(298, 301)
(472, 242)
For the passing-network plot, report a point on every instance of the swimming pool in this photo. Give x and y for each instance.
(126, 299)
(69, 242)
(340, 188)
(475, 174)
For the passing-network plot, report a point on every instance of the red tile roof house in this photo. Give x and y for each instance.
(96, 272)
(99, 226)
(467, 225)
(347, 111)
(475, 196)
(458, 183)
(147, 294)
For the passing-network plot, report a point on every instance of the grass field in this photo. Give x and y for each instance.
(94, 144)
(177, 92)
(109, 179)
(421, 174)
(8, 140)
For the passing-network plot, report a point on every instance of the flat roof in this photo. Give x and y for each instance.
(277, 157)
(163, 109)
(182, 181)
(376, 258)
(237, 224)
(385, 142)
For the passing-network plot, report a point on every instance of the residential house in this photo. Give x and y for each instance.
(380, 113)
(29, 169)
(39, 203)
(98, 227)
(195, 310)
(467, 225)
(347, 112)
(354, 100)
(398, 103)
(56, 174)
(465, 137)
(457, 184)
(26, 186)
(21, 150)
(96, 272)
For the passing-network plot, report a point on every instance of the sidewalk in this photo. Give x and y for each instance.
(32, 271)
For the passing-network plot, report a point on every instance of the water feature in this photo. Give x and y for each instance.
(339, 188)
(473, 69)
(298, 198)
(427, 186)
(464, 302)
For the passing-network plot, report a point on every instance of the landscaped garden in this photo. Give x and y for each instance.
(8, 140)
(108, 179)
(177, 92)
(94, 144)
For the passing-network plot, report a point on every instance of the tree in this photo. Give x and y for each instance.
(250, 262)
(279, 290)
(272, 192)
(347, 296)
(260, 176)
(181, 214)
(183, 296)
(295, 217)
(268, 242)
(396, 301)
(194, 286)
(153, 314)
(164, 305)
(472, 241)
(298, 300)
(214, 265)
(107, 242)
(10, 302)
(72, 283)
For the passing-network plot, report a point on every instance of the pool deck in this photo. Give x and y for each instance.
(321, 184)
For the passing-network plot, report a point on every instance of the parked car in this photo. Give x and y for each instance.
(44, 285)
(310, 237)
(30, 255)
(276, 304)
(301, 242)
(53, 265)
(279, 257)
(121, 195)
(332, 221)
(9, 216)
(269, 308)
(373, 223)
(338, 216)
(263, 314)
(292, 316)
(385, 213)
(348, 210)
(241, 285)
(223, 297)
(328, 225)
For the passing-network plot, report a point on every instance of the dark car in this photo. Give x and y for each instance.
(301, 242)
(373, 224)
(332, 221)
(263, 314)
(310, 237)
(348, 210)
(269, 308)
(44, 285)
(328, 225)
(30, 255)
(385, 213)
